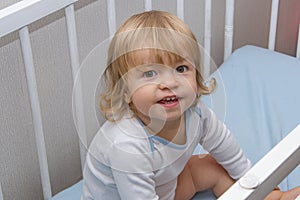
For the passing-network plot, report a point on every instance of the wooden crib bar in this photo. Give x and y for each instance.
(36, 110)
(180, 9)
(207, 38)
(77, 103)
(25, 12)
(148, 5)
(298, 44)
(111, 11)
(1, 194)
(273, 24)
(228, 34)
(267, 173)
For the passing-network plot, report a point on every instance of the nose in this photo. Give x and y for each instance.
(168, 81)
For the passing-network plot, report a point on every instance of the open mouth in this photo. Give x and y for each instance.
(169, 100)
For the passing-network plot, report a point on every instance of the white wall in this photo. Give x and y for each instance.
(19, 170)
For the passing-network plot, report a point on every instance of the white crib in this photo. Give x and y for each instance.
(18, 17)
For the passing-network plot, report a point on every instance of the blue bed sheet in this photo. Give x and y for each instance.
(262, 103)
(71, 193)
(258, 98)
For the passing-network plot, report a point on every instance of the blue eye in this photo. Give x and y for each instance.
(149, 74)
(181, 69)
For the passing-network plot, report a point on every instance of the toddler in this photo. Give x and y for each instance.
(155, 119)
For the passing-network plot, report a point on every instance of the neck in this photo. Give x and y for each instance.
(173, 131)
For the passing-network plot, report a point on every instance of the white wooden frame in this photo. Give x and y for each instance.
(298, 44)
(273, 24)
(1, 194)
(228, 32)
(18, 16)
(268, 172)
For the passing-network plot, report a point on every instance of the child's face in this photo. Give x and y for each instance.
(161, 91)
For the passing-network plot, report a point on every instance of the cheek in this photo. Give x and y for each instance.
(192, 84)
(191, 91)
(141, 97)
(140, 104)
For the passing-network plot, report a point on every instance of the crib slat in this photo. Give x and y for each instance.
(180, 9)
(111, 11)
(273, 24)
(77, 92)
(298, 44)
(207, 38)
(269, 171)
(1, 194)
(148, 5)
(36, 111)
(25, 12)
(228, 35)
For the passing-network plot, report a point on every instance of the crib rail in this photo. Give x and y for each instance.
(267, 173)
(25, 12)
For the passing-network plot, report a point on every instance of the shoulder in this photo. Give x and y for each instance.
(202, 110)
(126, 130)
(118, 143)
(126, 146)
(206, 118)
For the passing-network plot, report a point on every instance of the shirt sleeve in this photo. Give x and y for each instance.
(220, 143)
(135, 186)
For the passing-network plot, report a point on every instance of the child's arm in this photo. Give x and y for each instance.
(135, 185)
(221, 144)
(108, 180)
(132, 170)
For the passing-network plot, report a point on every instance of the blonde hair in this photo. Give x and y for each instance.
(156, 30)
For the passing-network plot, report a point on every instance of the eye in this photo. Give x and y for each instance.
(181, 69)
(149, 74)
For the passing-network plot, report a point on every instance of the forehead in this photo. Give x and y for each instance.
(152, 56)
